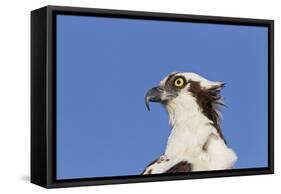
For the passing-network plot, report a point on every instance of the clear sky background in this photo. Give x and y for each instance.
(105, 66)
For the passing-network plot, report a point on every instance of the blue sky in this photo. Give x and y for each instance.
(106, 65)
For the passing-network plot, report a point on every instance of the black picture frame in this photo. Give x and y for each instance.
(43, 95)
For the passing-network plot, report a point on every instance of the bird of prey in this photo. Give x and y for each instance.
(196, 142)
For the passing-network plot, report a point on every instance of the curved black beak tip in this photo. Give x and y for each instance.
(147, 102)
(153, 95)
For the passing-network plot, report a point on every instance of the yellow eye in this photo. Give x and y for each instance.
(179, 82)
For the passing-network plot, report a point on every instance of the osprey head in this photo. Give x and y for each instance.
(192, 103)
(186, 90)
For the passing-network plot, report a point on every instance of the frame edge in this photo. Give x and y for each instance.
(38, 97)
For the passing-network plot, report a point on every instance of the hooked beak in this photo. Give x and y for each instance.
(154, 95)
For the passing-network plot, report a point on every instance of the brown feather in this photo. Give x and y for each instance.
(207, 99)
(183, 166)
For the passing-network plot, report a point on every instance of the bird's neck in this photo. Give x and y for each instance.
(190, 127)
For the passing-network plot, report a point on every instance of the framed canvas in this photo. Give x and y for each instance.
(126, 96)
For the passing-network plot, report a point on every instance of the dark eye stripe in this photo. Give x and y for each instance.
(171, 77)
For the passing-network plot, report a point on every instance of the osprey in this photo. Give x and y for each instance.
(196, 142)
